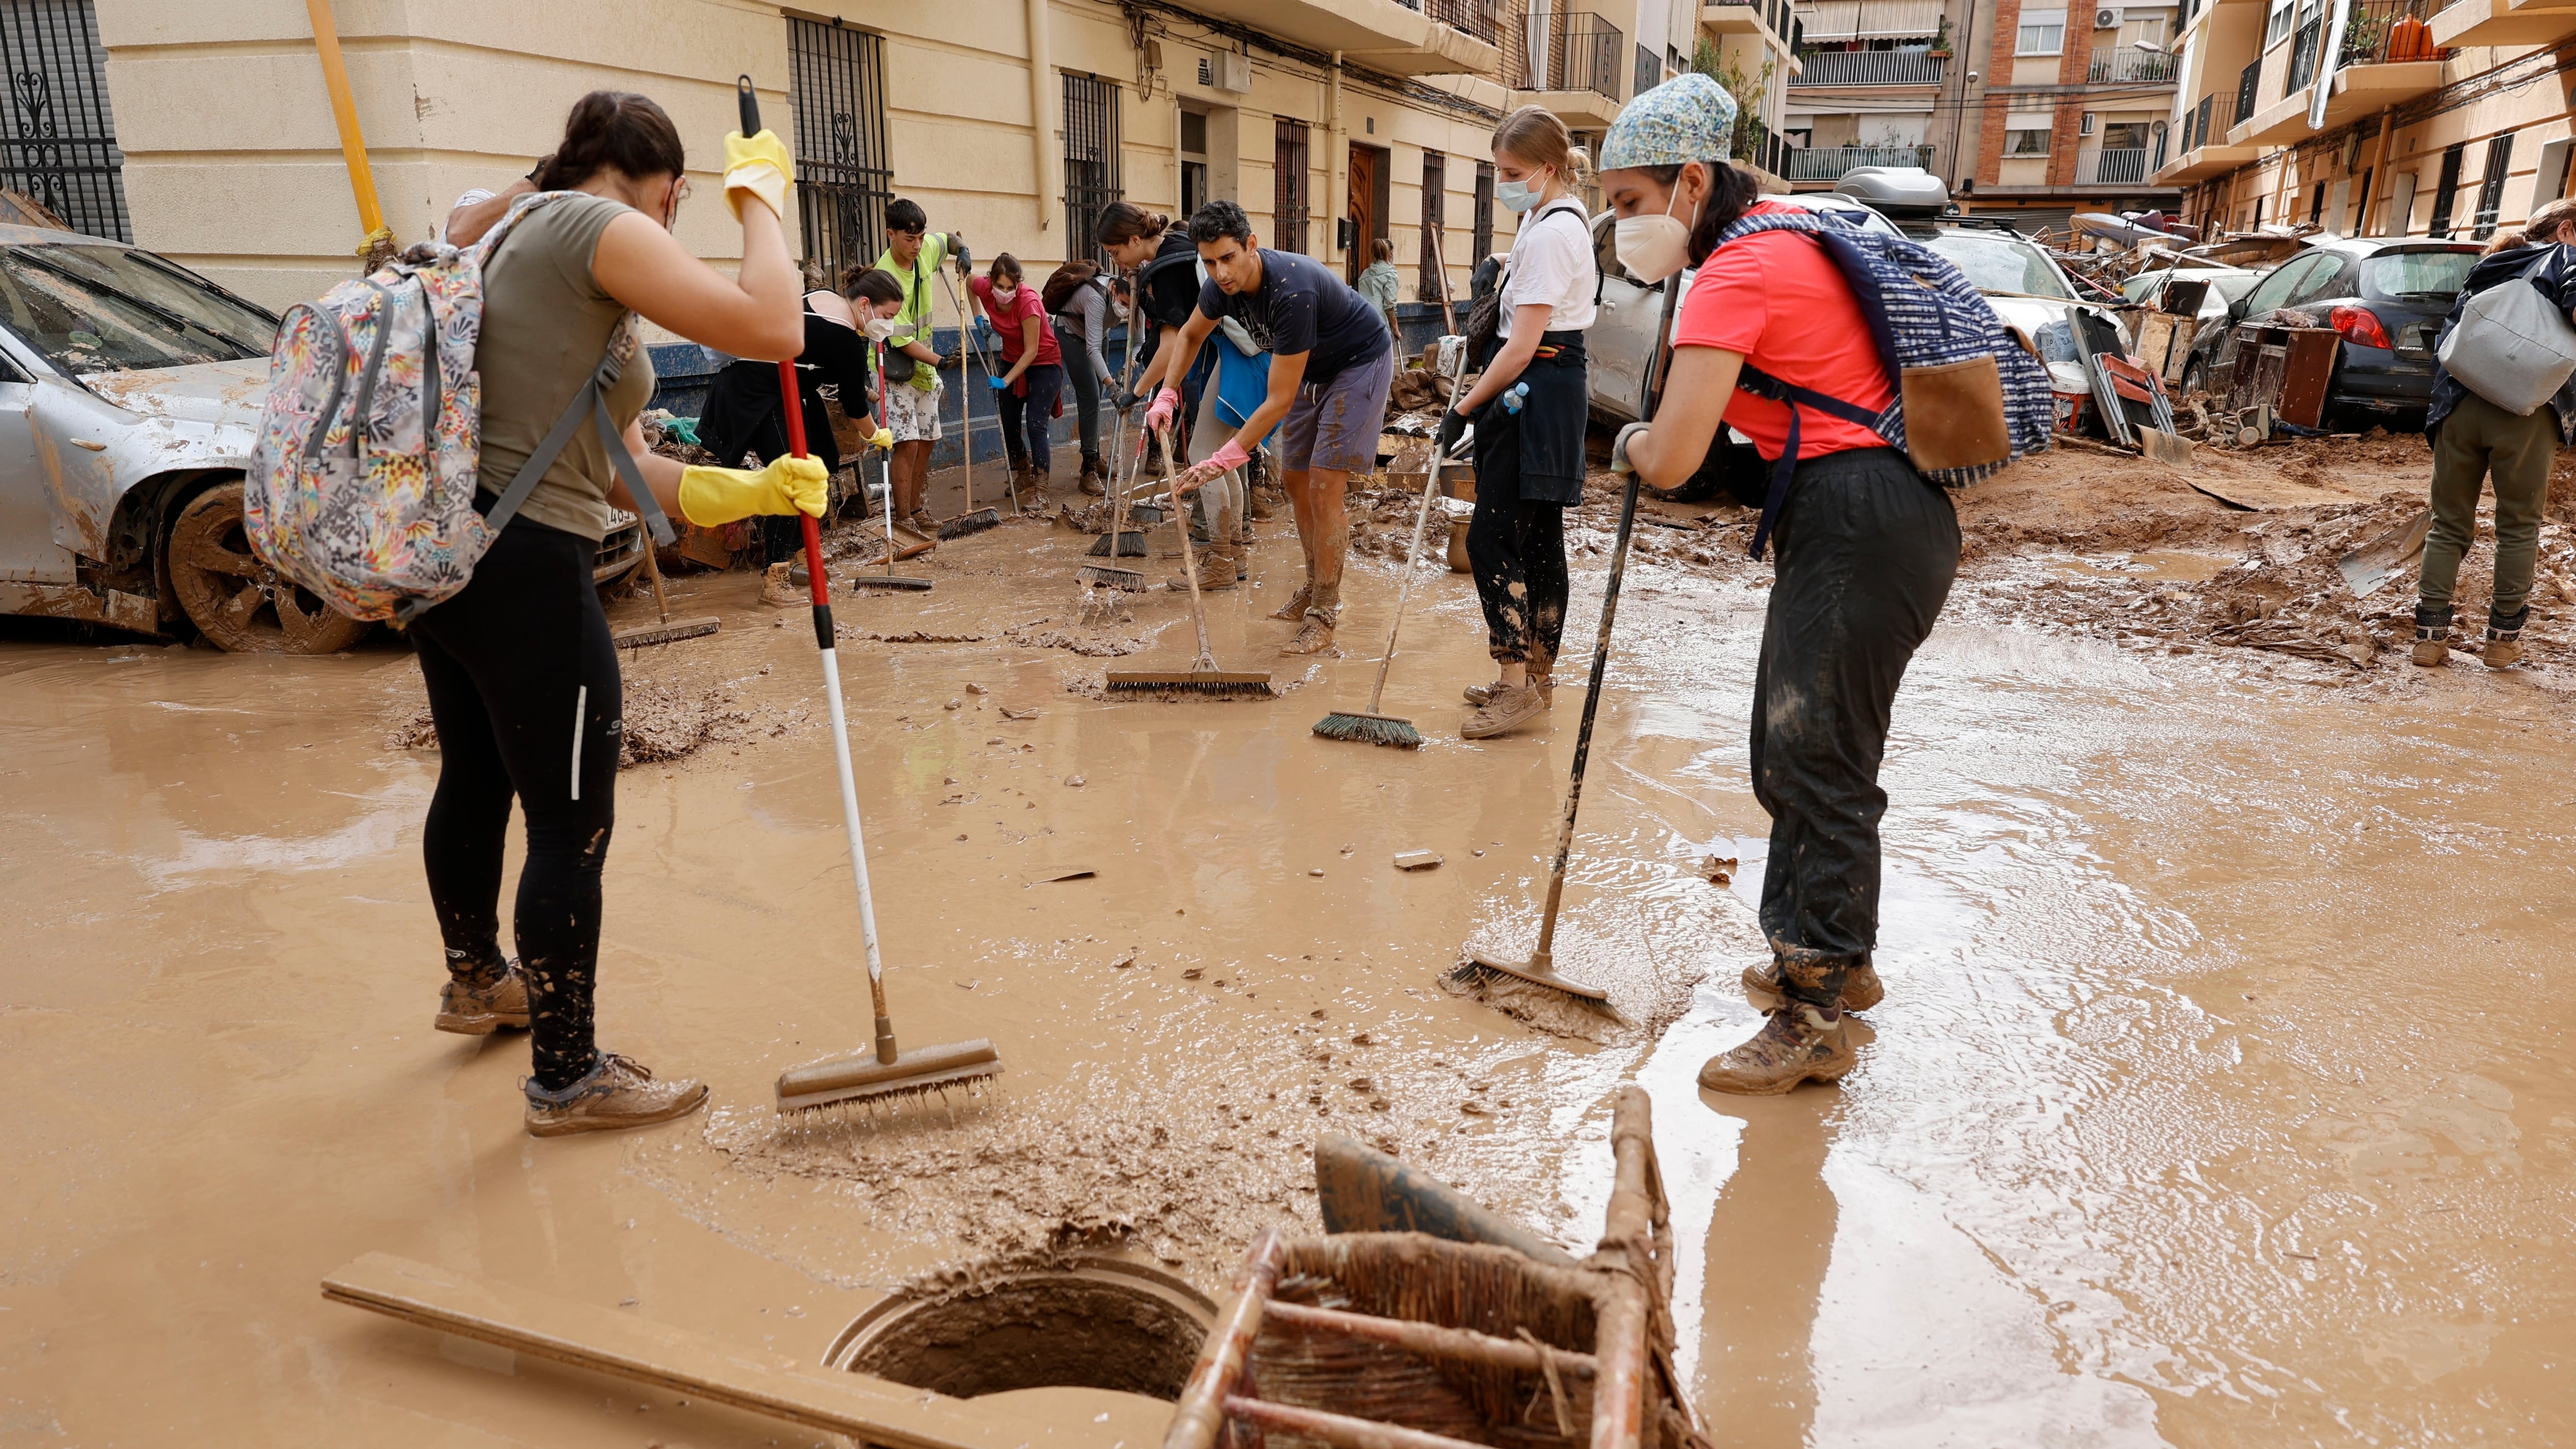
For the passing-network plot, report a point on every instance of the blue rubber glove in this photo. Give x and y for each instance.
(998, 383)
(983, 329)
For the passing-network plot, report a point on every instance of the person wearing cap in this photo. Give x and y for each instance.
(1866, 550)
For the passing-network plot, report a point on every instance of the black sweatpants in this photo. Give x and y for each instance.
(524, 689)
(1517, 548)
(1866, 552)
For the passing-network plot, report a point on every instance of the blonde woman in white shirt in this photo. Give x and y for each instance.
(1529, 408)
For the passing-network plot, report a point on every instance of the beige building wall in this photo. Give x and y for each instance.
(234, 164)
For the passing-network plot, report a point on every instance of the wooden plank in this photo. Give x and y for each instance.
(624, 1346)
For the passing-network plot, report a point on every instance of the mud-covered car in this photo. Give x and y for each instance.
(130, 392)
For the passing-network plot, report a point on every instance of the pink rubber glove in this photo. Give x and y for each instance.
(1158, 416)
(1217, 465)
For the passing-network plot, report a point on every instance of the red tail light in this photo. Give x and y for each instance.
(2359, 326)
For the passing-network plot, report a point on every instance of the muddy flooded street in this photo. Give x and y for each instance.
(2220, 1095)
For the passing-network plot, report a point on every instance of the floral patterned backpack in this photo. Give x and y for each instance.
(361, 486)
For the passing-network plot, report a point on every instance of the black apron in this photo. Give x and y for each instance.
(1537, 452)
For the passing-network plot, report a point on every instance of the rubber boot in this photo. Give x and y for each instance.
(2504, 639)
(617, 1092)
(2432, 636)
(1801, 1044)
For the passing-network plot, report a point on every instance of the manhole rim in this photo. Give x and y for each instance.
(872, 1322)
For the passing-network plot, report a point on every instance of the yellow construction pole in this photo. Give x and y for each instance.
(344, 110)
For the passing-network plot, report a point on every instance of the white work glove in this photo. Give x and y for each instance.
(1619, 448)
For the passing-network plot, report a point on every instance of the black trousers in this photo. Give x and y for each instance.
(1866, 552)
(523, 686)
(1027, 421)
(1086, 387)
(1517, 548)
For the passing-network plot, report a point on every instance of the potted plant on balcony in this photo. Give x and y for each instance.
(1941, 41)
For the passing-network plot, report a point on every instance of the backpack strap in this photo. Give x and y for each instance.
(588, 405)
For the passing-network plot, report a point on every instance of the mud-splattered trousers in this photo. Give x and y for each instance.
(524, 689)
(2475, 443)
(1529, 468)
(1866, 551)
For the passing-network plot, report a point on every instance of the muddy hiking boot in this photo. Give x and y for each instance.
(469, 1006)
(1095, 478)
(1802, 1044)
(1505, 710)
(1315, 633)
(921, 522)
(1220, 567)
(778, 590)
(2504, 639)
(1861, 989)
(2432, 636)
(618, 1092)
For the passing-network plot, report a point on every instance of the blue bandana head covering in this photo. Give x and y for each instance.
(1688, 118)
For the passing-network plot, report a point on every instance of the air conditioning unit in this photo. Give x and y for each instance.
(2085, 126)
(2106, 18)
(1233, 72)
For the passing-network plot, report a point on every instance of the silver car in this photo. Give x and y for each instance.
(130, 393)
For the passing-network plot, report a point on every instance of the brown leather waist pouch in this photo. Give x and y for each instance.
(1954, 416)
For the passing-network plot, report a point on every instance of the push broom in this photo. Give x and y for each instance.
(1202, 677)
(1540, 968)
(1110, 575)
(1368, 727)
(1118, 542)
(973, 519)
(666, 631)
(885, 470)
(885, 1073)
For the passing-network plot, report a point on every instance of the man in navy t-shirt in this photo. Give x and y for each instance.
(1331, 364)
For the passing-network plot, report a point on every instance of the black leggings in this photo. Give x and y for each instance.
(1517, 548)
(524, 689)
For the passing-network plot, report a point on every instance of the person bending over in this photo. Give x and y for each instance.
(1331, 365)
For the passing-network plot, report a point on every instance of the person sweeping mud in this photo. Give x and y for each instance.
(1028, 393)
(912, 257)
(1866, 547)
(523, 650)
(743, 416)
(1331, 366)
(1529, 407)
(2474, 440)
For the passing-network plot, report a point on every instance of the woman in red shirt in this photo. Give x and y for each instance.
(1865, 549)
(1028, 393)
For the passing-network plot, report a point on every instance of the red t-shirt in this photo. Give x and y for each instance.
(1009, 318)
(1779, 300)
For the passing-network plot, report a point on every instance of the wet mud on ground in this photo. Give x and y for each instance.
(2219, 1096)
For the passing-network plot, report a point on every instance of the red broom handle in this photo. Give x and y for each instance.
(792, 399)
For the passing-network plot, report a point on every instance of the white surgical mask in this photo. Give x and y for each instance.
(1655, 247)
(1517, 196)
(881, 329)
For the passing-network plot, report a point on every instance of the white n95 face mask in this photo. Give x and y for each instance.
(1654, 247)
(1516, 196)
(882, 329)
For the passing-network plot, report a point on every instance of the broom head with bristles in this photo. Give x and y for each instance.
(1216, 682)
(889, 581)
(1534, 970)
(966, 523)
(1124, 580)
(642, 635)
(1370, 729)
(861, 1077)
(1129, 544)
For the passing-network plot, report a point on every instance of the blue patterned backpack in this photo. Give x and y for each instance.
(1981, 399)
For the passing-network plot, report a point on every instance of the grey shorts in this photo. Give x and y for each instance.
(1336, 424)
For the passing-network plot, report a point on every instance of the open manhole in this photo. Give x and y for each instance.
(1099, 1323)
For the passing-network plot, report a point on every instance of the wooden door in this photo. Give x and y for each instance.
(1368, 222)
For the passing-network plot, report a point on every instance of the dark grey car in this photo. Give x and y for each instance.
(2387, 296)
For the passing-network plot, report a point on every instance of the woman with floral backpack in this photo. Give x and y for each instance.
(523, 681)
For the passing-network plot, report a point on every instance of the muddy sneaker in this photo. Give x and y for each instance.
(1095, 479)
(2504, 644)
(1295, 608)
(1861, 989)
(1505, 710)
(1481, 694)
(1803, 1044)
(470, 1010)
(922, 523)
(1259, 507)
(778, 590)
(1313, 636)
(617, 1093)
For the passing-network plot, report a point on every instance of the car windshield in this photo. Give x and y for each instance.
(2434, 275)
(104, 309)
(1996, 263)
(2234, 285)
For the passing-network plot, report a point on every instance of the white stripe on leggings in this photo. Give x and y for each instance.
(580, 707)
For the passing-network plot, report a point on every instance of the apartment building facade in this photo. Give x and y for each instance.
(1334, 122)
(2375, 118)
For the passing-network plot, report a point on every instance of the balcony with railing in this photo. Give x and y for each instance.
(2387, 57)
(1479, 18)
(1398, 36)
(2110, 165)
(2501, 22)
(2125, 65)
(1868, 68)
(1557, 50)
(1830, 163)
(1749, 17)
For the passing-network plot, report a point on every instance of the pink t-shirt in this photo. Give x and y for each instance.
(1778, 299)
(1011, 318)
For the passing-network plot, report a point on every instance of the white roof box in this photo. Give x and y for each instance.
(1895, 189)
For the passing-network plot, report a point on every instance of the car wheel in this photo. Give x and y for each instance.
(2195, 377)
(239, 603)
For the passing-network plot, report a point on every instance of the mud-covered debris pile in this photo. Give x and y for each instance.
(663, 722)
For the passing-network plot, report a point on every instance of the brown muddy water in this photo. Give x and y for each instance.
(2220, 1096)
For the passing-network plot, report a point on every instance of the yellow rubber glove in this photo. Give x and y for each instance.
(758, 165)
(710, 496)
(884, 439)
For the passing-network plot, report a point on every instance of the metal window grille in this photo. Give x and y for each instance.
(1474, 17)
(1483, 240)
(2491, 188)
(2200, 131)
(1650, 71)
(1546, 49)
(59, 143)
(1289, 161)
(1435, 212)
(2447, 192)
(844, 174)
(2246, 80)
(1091, 172)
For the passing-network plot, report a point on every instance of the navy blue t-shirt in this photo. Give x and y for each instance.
(1300, 307)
